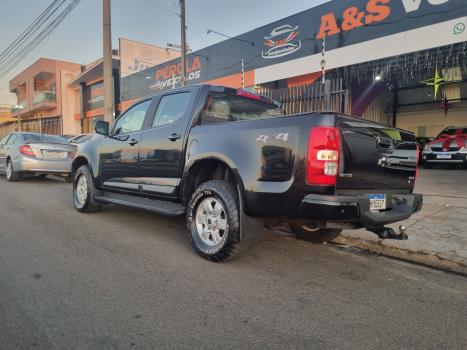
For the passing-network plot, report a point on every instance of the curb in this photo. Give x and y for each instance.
(423, 258)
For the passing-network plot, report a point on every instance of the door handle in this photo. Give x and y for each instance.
(174, 137)
(133, 142)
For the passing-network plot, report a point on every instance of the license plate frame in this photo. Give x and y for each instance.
(377, 201)
(56, 154)
(443, 156)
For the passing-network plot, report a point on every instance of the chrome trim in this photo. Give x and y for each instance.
(158, 189)
(156, 181)
(122, 185)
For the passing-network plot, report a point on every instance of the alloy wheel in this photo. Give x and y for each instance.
(9, 170)
(81, 191)
(211, 221)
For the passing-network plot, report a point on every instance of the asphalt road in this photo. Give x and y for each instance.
(128, 279)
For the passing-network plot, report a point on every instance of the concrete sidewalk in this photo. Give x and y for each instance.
(437, 234)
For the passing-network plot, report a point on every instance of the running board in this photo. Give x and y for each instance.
(154, 205)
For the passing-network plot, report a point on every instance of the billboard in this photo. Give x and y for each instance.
(355, 31)
(136, 56)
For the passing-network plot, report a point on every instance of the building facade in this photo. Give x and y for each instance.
(87, 89)
(396, 62)
(43, 102)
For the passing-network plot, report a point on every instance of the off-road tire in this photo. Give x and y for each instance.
(90, 205)
(230, 245)
(315, 236)
(12, 175)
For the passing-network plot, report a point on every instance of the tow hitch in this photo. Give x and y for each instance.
(389, 233)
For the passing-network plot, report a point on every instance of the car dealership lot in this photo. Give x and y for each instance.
(126, 278)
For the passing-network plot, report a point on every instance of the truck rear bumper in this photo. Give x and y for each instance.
(356, 209)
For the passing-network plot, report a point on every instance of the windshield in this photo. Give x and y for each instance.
(28, 138)
(223, 107)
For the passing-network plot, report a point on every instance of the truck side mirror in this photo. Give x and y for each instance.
(102, 128)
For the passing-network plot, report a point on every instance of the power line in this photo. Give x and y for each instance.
(190, 24)
(36, 25)
(36, 40)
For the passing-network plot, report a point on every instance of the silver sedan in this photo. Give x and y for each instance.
(39, 154)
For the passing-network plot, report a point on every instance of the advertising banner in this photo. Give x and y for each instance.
(284, 48)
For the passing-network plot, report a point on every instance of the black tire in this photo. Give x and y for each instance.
(217, 192)
(42, 176)
(10, 174)
(318, 235)
(88, 203)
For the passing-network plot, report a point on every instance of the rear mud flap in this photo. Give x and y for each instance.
(251, 229)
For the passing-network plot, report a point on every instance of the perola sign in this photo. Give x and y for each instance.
(169, 76)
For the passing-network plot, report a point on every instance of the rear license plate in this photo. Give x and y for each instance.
(377, 201)
(56, 154)
(443, 156)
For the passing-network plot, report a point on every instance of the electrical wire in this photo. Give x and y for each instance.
(37, 39)
(35, 26)
(32, 27)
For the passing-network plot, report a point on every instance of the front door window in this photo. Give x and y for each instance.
(132, 120)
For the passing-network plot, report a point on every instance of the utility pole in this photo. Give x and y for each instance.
(108, 80)
(183, 41)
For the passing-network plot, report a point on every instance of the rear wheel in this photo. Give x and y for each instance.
(11, 175)
(314, 234)
(84, 191)
(213, 220)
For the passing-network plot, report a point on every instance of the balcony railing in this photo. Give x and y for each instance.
(17, 108)
(45, 96)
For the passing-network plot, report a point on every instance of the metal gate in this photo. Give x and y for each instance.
(314, 97)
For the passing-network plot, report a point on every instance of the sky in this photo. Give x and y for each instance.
(79, 37)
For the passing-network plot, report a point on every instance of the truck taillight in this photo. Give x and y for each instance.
(27, 151)
(323, 156)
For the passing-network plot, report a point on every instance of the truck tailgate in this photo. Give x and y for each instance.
(375, 158)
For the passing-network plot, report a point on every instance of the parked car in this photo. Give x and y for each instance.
(39, 154)
(76, 140)
(230, 159)
(67, 137)
(449, 147)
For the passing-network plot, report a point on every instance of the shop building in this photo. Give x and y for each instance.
(43, 104)
(87, 88)
(401, 62)
(7, 123)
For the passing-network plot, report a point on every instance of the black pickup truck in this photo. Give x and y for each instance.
(231, 161)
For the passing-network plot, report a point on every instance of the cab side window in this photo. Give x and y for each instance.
(132, 120)
(171, 108)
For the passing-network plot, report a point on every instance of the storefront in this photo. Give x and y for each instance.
(88, 87)
(398, 62)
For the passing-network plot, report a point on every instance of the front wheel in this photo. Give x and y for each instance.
(315, 235)
(83, 191)
(213, 220)
(11, 175)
